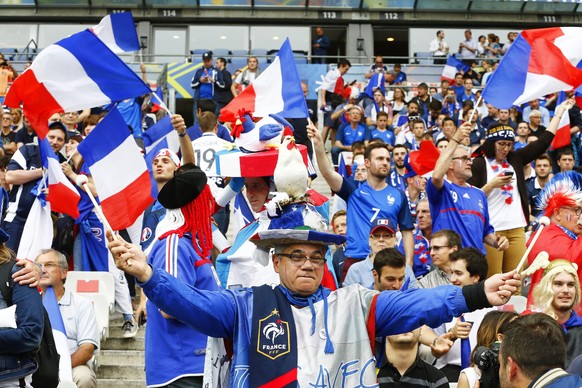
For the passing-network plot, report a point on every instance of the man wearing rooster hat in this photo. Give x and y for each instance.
(298, 333)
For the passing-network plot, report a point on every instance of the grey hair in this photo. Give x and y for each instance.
(61, 259)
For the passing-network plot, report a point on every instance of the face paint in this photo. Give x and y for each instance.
(568, 217)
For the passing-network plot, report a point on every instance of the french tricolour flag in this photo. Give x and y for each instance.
(562, 138)
(452, 67)
(118, 169)
(63, 196)
(52, 308)
(539, 62)
(117, 31)
(75, 73)
(275, 90)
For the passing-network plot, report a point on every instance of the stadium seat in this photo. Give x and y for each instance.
(199, 51)
(92, 282)
(26, 54)
(101, 312)
(240, 53)
(259, 52)
(9, 53)
(300, 58)
(237, 63)
(221, 53)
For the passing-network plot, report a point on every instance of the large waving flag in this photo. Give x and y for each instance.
(63, 196)
(72, 74)
(275, 90)
(452, 67)
(539, 62)
(117, 31)
(51, 306)
(118, 169)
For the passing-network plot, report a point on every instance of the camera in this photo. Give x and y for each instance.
(487, 360)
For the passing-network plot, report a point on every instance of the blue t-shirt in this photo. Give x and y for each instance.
(462, 209)
(151, 218)
(174, 349)
(130, 110)
(365, 204)
(387, 136)
(422, 259)
(395, 180)
(348, 136)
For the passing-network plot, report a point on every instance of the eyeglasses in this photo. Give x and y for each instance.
(300, 258)
(438, 248)
(576, 210)
(464, 159)
(503, 144)
(384, 236)
(7, 118)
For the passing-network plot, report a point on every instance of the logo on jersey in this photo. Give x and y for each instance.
(98, 233)
(466, 195)
(390, 199)
(146, 234)
(481, 205)
(273, 336)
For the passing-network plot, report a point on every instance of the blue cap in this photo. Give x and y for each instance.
(385, 223)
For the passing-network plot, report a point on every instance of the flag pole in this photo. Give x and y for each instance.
(313, 160)
(70, 156)
(98, 210)
(475, 107)
(161, 103)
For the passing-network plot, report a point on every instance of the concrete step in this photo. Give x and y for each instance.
(121, 357)
(121, 372)
(116, 332)
(113, 343)
(112, 383)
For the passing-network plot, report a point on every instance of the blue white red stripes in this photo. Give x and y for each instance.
(275, 90)
(75, 73)
(539, 62)
(62, 195)
(119, 171)
(452, 67)
(60, 335)
(117, 31)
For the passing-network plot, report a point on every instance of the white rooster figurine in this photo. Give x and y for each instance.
(290, 174)
(255, 137)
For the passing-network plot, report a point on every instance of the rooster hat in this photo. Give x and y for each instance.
(296, 223)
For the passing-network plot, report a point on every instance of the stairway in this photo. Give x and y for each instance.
(121, 360)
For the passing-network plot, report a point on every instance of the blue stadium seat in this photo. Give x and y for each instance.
(199, 51)
(259, 52)
(26, 54)
(239, 53)
(424, 58)
(9, 53)
(221, 53)
(300, 58)
(237, 63)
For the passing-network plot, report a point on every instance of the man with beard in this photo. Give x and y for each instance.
(367, 201)
(397, 172)
(556, 295)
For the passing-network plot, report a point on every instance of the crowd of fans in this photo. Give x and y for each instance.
(466, 220)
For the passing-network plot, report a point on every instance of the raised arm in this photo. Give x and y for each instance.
(444, 160)
(333, 179)
(185, 142)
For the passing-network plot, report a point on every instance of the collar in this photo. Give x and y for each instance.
(547, 377)
(66, 299)
(417, 362)
(568, 232)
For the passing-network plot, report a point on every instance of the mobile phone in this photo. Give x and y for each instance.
(508, 173)
(141, 319)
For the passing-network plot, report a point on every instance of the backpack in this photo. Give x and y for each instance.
(46, 356)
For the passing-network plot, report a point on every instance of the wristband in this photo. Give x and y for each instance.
(456, 141)
(183, 134)
(434, 341)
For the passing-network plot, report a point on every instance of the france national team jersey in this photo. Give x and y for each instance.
(462, 209)
(387, 136)
(365, 204)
